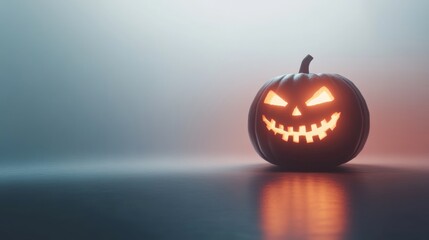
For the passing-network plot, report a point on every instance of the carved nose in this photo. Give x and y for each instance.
(296, 112)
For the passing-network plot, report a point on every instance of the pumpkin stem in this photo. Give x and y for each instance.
(305, 64)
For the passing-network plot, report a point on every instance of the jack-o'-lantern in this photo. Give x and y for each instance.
(308, 120)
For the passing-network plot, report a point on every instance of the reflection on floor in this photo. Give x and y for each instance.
(303, 206)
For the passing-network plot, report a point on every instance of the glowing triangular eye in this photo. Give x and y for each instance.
(321, 96)
(273, 99)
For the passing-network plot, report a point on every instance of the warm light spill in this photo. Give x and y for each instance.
(309, 134)
(300, 206)
(321, 96)
(273, 99)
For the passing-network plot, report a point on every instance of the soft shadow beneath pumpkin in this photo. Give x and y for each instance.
(346, 168)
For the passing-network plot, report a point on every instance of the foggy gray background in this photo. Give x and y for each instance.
(177, 77)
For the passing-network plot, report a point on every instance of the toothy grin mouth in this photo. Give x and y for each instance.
(315, 131)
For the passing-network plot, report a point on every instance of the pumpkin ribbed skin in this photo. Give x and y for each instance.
(340, 145)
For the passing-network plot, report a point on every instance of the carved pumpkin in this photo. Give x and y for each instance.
(308, 120)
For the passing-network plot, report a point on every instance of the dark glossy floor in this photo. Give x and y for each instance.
(214, 198)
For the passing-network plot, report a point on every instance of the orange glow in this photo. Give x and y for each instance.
(273, 99)
(308, 134)
(296, 112)
(298, 206)
(321, 96)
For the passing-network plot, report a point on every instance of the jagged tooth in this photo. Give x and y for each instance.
(313, 127)
(272, 125)
(305, 131)
(322, 135)
(336, 115)
(275, 130)
(309, 138)
(281, 127)
(296, 138)
(267, 123)
(264, 119)
(324, 124)
(333, 121)
(333, 124)
(293, 134)
(302, 130)
(285, 136)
